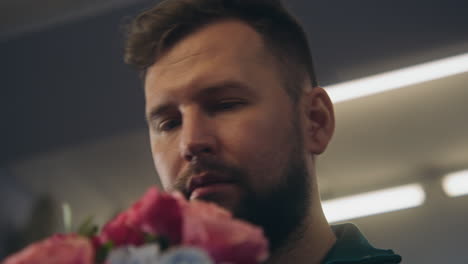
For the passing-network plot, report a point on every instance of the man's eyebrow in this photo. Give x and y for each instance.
(224, 86)
(157, 111)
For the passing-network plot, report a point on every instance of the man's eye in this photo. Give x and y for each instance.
(227, 105)
(168, 124)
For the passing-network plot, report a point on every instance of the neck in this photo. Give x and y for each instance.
(309, 243)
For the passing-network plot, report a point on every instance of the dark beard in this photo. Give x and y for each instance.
(282, 210)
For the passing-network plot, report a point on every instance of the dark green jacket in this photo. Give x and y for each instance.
(352, 247)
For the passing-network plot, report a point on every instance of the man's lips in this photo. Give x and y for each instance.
(215, 192)
(207, 181)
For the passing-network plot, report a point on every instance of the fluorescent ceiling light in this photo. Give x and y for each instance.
(375, 202)
(398, 78)
(456, 183)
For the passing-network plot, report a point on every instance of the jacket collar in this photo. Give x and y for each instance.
(352, 247)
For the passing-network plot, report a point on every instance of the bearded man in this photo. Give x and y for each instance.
(236, 117)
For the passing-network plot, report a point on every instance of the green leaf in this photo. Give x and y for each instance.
(103, 251)
(87, 228)
(150, 238)
(162, 241)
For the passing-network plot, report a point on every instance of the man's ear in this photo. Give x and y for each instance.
(319, 120)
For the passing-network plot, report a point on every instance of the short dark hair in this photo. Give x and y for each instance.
(159, 28)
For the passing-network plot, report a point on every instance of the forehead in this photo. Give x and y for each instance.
(224, 49)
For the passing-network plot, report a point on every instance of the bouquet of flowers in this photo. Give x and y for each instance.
(160, 228)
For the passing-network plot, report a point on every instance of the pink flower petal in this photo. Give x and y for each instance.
(58, 249)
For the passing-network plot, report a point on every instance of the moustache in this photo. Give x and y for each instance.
(212, 165)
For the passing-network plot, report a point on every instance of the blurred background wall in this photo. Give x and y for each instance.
(73, 126)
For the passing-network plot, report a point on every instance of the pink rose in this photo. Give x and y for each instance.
(155, 213)
(196, 223)
(57, 249)
(226, 239)
(121, 232)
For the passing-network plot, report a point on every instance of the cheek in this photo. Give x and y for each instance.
(165, 162)
(261, 145)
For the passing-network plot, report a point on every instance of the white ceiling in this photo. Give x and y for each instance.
(398, 137)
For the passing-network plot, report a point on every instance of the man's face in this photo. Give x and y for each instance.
(222, 127)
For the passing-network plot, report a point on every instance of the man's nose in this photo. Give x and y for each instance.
(197, 138)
